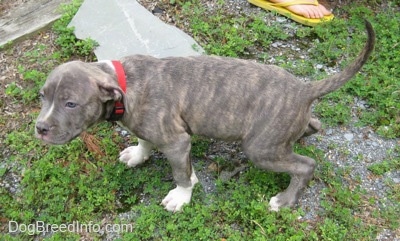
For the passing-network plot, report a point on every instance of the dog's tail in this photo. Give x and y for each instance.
(325, 86)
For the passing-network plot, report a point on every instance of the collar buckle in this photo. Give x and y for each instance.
(119, 108)
(117, 112)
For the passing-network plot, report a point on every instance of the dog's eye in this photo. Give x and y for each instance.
(70, 105)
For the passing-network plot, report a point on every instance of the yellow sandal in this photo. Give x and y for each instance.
(281, 9)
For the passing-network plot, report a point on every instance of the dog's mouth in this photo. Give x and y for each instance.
(54, 135)
(49, 140)
(55, 140)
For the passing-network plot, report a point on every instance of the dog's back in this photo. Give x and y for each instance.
(234, 98)
(228, 96)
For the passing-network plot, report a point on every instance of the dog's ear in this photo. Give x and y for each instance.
(110, 91)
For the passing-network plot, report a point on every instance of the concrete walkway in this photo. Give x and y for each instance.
(121, 27)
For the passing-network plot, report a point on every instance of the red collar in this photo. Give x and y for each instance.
(119, 108)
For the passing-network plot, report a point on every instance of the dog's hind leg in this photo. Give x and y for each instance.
(300, 169)
(313, 127)
(178, 155)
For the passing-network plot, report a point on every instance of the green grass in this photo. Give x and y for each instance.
(386, 165)
(63, 184)
(226, 34)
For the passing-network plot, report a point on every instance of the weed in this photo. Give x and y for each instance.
(335, 108)
(378, 83)
(385, 166)
(199, 146)
(228, 35)
(66, 39)
(6, 45)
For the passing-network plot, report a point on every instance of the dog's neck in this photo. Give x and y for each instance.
(117, 110)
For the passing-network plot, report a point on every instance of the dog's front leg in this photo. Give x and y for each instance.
(178, 155)
(135, 155)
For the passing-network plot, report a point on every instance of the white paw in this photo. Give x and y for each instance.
(274, 204)
(176, 198)
(134, 155)
(179, 196)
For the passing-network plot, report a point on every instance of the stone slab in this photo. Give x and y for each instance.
(124, 27)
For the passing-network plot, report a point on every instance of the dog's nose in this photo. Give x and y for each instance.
(42, 128)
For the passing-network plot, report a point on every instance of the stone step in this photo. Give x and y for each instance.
(124, 27)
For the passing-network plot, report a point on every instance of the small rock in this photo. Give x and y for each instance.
(396, 180)
(349, 136)
(375, 144)
(213, 167)
(281, 19)
(124, 133)
(294, 48)
(276, 44)
(157, 10)
(329, 132)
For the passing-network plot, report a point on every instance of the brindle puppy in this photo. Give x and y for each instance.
(168, 100)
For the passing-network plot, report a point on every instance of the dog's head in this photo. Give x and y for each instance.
(75, 96)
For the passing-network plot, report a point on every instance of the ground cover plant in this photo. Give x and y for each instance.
(84, 182)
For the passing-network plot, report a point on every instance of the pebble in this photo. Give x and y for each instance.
(349, 136)
(124, 133)
(276, 44)
(281, 19)
(375, 144)
(294, 48)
